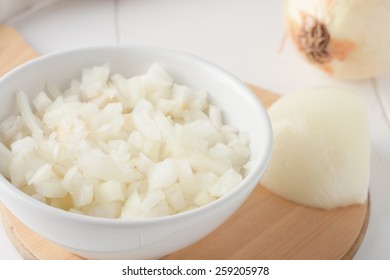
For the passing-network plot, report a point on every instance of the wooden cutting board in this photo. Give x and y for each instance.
(265, 227)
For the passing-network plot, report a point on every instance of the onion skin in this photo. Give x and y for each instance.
(345, 39)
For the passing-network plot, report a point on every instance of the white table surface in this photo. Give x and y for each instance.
(244, 37)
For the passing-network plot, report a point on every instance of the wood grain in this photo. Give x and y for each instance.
(13, 49)
(265, 227)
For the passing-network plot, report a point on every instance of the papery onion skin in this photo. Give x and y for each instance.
(346, 39)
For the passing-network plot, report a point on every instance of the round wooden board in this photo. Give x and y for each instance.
(265, 226)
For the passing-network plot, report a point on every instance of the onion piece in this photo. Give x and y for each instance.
(25, 111)
(321, 151)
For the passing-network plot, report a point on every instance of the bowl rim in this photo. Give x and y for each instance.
(254, 175)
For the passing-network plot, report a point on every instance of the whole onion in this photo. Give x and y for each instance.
(348, 39)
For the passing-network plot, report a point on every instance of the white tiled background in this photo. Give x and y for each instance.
(244, 37)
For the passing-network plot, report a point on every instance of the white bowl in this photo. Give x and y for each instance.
(101, 238)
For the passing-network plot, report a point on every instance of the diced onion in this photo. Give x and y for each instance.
(117, 147)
